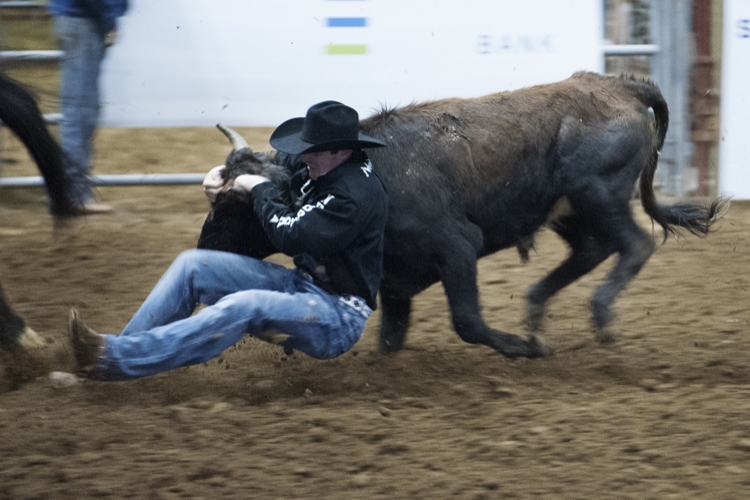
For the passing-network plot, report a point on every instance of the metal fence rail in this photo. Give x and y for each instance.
(113, 180)
(21, 4)
(630, 49)
(31, 55)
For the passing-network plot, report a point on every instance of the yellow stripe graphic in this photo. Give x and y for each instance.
(341, 49)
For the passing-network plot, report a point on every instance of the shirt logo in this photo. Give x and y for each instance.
(290, 221)
(306, 189)
(367, 168)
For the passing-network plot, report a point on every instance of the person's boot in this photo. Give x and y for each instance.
(88, 346)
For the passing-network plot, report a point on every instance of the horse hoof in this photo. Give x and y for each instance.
(29, 339)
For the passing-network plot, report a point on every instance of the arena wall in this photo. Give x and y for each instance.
(198, 62)
(734, 137)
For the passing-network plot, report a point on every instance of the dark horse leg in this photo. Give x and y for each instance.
(13, 329)
(24, 355)
(20, 113)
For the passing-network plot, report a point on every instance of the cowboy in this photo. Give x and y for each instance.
(334, 232)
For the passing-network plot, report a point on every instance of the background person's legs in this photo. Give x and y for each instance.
(83, 49)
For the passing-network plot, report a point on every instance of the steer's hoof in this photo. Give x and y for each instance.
(513, 346)
(606, 334)
(540, 347)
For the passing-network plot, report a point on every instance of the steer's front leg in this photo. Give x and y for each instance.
(394, 322)
(459, 274)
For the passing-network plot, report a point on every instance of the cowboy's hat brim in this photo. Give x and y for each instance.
(287, 138)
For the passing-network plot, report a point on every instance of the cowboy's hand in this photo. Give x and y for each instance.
(247, 182)
(213, 183)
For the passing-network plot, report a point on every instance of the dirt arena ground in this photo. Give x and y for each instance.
(661, 414)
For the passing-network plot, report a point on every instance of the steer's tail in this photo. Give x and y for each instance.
(695, 218)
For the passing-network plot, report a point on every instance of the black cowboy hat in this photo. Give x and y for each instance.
(328, 126)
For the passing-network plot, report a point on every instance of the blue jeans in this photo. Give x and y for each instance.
(83, 48)
(243, 296)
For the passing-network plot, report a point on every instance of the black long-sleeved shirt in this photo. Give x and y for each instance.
(335, 228)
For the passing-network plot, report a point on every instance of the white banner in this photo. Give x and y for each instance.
(257, 63)
(734, 145)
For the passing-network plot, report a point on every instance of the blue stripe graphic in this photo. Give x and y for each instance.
(346, 22)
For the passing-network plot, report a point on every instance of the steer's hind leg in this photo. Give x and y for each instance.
(634, 246)
(605, 229)
(586, 253)
(394, 322)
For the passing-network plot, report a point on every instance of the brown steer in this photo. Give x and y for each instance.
(469, 177)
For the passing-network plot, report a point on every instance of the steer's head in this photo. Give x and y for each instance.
(242, 160)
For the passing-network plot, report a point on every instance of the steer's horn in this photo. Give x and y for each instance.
(238, 142)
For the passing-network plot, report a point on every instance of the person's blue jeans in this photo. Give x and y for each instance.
(243, 296)
(83, 48)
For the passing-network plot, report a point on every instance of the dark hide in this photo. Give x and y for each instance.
(232, 225)
(20, 113)
(469, 177)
